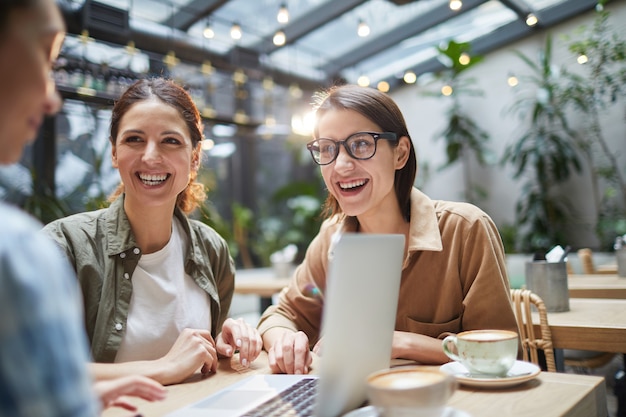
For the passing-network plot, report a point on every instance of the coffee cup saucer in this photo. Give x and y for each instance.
(520, 372)
(370, 411)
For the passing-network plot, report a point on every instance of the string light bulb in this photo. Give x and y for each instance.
(239, 77)
(363, 29)
(464, 59)
(295, 91)
(410, 77)
(208, 32)
(363, 81)
(170, 59)
(268, 83)
(455, 5)
(512, 81)
(582, 59)
(235, 31)
(130, 48)
(531, 20)
(446, 90)
(279, 38)
(283, 14)
(207, 68)
(383, 86)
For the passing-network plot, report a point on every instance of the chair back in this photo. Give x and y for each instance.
(585, 255)
(532, 343)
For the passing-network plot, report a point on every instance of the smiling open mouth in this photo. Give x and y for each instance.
(152, 180)
(352, 185)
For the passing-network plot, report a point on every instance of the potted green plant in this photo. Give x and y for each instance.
(464, 139)
(544, 155)
(600, 86)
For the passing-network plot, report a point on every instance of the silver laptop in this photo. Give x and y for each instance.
(358, 323)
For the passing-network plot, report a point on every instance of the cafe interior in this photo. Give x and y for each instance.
(488, 90)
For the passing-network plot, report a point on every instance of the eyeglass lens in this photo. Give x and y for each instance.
(358, 146)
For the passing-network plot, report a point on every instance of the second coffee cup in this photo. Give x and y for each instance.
(411, 391)
(483, 352)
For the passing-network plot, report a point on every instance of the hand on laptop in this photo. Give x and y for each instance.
(239, 335)
(289, 352)
(112, 391)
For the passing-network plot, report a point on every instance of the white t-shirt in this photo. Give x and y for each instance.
(165, 301)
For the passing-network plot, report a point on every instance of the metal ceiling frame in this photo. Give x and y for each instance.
(411, 28)
(159, 42)
(510, 33)
(193, 12)
(309, 22)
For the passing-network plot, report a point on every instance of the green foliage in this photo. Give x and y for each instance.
(601, 86)
(463, 137)
(508, 234)
(297, 223)
(453, 51)
(43, 204)
(543, 155)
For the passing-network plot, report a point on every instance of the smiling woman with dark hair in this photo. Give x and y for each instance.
(453, 276)
(157, 286)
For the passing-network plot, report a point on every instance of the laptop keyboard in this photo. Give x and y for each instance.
(297, 400)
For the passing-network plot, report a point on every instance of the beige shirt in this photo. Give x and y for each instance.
(454, 275)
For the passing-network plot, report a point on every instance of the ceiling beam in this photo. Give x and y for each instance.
(509, 33)
(194, 11)
(157, 42)
(308, 23)
(520, 7)
(424, 22)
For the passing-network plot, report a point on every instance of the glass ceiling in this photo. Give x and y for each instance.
(322, 41)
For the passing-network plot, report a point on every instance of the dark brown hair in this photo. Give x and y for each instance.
(174, 95)
(7, 6)
(382, 110)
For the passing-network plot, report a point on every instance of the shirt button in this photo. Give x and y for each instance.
(136, 251)
(118, 326)
(126, 275)
(122, 255)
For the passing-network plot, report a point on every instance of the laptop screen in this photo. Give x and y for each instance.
(357, 325)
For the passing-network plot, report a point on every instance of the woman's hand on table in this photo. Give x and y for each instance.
(111, 392)
(237, 335)
(289, 353)
(194, 348)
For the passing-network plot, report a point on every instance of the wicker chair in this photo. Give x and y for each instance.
(585, 255)
(531, 343)
(582, 361)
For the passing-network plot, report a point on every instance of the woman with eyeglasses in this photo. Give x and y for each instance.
(454, 275)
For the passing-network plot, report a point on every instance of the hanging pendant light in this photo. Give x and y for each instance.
(283, 14)
(235, 31)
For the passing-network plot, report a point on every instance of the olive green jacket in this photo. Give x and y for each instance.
(454, 276)
(101, 247)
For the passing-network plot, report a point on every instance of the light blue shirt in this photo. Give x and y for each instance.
(43, 347)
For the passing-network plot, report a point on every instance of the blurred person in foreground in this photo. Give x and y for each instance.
(43, 348)
(157, 285)
(454, 274)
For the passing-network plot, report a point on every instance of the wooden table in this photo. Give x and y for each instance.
(548, 395)
(590, 324)
(261, 282)
(596, 286)
(607, 269)
(263, 287)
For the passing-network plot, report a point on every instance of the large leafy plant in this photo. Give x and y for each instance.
(592, 93)
(544, 155)
(464, 139)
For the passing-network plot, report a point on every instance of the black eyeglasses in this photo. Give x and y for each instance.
(360, 145)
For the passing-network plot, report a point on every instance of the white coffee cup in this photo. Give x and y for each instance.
(485, 352)
(410, 391)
